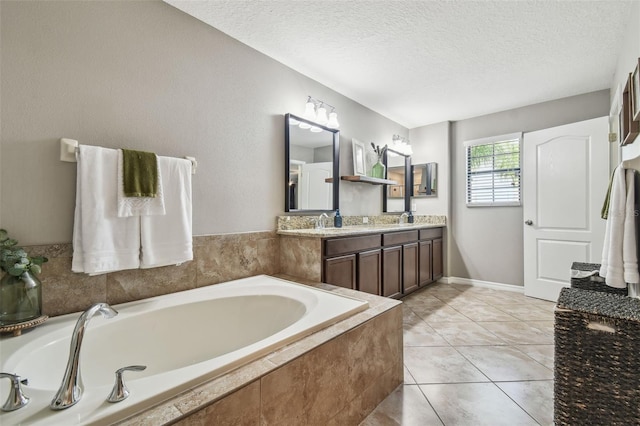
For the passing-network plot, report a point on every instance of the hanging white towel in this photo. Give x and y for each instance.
(139, 206)
(629, 243)
(167, 240)
(102, 241)
(619, 257)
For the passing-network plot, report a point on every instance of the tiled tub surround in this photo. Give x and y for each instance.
(217, 258)
(248, 319)
(333, 377)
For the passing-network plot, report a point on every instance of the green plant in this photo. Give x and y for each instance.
(379, 150)
(14, 260)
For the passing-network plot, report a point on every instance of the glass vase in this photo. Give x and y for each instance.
(20, 298)
(378, 170)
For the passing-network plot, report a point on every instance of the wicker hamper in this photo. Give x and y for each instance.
(594, 282)
(597, 359)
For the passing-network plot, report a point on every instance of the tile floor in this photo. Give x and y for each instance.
(473, 356)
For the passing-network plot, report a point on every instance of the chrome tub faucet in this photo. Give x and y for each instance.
(71, 387)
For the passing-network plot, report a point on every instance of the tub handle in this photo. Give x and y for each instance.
(120, 391)
(17, 399)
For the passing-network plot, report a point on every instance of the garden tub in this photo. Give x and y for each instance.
(184, 339)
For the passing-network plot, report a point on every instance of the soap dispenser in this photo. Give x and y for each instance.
(337, 219)
(410, 217)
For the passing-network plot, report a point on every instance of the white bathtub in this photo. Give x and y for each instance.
(183, 338)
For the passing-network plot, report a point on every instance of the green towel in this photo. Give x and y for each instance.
(604, 213)
(139, 173)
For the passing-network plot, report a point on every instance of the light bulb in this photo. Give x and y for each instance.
(333, 121)
(310, 111)
(322, 115)
(316, 129)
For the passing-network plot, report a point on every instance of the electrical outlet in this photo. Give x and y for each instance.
(365, 220)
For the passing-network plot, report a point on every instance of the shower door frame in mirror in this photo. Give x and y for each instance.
(407, 182)
(335, 135)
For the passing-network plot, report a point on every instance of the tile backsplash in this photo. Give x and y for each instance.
(216, 259)
(306, 222)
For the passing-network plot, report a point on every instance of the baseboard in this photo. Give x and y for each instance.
(479, 283)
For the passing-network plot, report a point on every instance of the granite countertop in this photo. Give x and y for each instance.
(356, 229)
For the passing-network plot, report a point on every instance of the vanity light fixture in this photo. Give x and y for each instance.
(401, 145)
(316, 110)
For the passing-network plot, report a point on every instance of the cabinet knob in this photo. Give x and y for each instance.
(528, 222)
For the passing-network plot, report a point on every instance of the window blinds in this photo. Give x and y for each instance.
(493, 171)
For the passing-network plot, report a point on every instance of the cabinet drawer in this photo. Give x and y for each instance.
(351, 244)
(428, 234)
(395, 238)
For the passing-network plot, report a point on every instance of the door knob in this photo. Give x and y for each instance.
(528, 222)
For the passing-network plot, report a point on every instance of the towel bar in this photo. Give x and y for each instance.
(69, 153)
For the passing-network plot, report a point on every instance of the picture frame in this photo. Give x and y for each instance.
(359, 158)
(635, 93)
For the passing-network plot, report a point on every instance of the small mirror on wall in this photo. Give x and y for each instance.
(425, 180)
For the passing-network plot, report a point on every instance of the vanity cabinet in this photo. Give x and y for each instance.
(430, 252)
(390, 264)
(341, 271)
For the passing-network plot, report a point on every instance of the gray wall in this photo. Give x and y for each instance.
(485, 243)
(431, 144)
(146, 76)
(627, 61)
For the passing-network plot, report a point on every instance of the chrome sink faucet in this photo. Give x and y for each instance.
(401, 218)
(71, 387)
(320, 221)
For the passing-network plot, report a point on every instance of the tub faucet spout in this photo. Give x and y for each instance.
(71, 388)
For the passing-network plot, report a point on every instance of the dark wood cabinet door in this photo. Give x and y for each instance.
(426, 273)
(437, 259)
(410, 267)
(341, 271)
(392, 271)
(370, 271)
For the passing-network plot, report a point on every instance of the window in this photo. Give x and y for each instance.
(493, 171)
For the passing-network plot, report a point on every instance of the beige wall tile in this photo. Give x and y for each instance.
(301, 257)
(222, 258)
(136, 284)
(64, 292)
(242, 408)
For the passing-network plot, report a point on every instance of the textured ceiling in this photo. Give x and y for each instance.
(423, 62)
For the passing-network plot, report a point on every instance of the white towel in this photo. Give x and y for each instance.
(629, 243)
(619, 258)
(102, 241)
(138, 206)
(167, 240)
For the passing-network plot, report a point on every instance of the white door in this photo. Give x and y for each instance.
(315, 192)
(565, 178)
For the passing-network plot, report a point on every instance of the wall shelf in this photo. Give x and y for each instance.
(369, 180)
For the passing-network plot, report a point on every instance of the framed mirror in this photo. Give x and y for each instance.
(312, 160)
(396, 198)
(425, 180)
